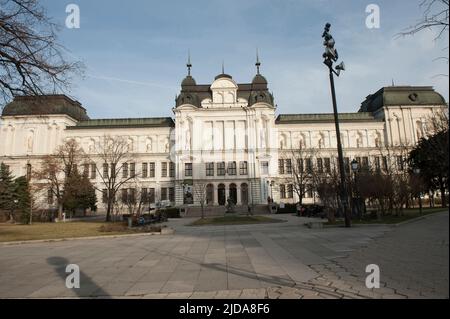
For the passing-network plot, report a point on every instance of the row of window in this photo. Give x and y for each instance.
(323, 165)
(147, 195)
(287, 191)
(222, 168)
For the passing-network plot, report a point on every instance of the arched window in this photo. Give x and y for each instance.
(244, 194)
(233, 193)
(221, 194)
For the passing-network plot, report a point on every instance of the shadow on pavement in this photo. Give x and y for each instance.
(88, 288)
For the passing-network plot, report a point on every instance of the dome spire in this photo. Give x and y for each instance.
(189, 65)
(258, 64)
(223, 67)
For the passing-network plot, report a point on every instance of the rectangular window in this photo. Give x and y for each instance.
(163, 169)
(231, 168)
(282, 191)
(365, 163)
(144, 170)
(104, 196)
(385, 163)
(93, 171)
(309, 168)
(50, 197)
(290, 191)
(327, 165)
(164, 193)
(221, 169)
(172, 194)
(132, 195)
(151, 169)
(319, 165)
(243, 170)
(124, 196)
(113, 170)
(288, 166)
(300, 165)
(188, 169)
(280, 166)
(151, 195)
(132, 169)
(86, 170)
(209, 169)
(265, 168)
(309, 192)
(105, 170)
(171, 169)
(125, 170)
(400, 165)
(377, 163)
(144, 195)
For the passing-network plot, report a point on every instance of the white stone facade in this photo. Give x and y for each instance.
(218, 124)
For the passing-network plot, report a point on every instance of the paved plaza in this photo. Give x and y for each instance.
(281, 260)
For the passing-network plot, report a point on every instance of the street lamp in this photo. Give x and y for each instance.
(355, 165)
(330, 55)
(417, 172)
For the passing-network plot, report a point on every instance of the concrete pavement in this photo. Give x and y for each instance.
(281, 260)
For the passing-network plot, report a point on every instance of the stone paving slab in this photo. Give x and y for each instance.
(286, 260)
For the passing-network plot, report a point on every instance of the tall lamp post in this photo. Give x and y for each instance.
(355, 165)
(330, 55)
(417, 172)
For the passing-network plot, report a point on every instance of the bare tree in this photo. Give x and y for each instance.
(31, 61)
(115, 155)
(435, 16)
(56, 168)
(200, 193)
(135, 199)
(300, 170)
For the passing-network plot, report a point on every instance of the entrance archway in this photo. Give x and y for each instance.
(244, 194)
(221, 194)
(209, 194)
(233, 193)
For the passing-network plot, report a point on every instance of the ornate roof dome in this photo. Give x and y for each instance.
(223, 75)
(188, 81)
(259, 79)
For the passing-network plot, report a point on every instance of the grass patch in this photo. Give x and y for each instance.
(12, 232)
(393, 219)
(234, 220)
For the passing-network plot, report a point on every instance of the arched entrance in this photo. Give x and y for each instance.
(209, 194)
(233, 193)
(244, 194)
(221, 194)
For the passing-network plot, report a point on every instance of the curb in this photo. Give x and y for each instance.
(419, 218)
(22, 242)
(391, 225)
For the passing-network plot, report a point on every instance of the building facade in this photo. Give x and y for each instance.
(224, 135)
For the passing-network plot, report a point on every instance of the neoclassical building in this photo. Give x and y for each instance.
(226, 135)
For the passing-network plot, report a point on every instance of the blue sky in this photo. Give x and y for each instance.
(135, 51)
